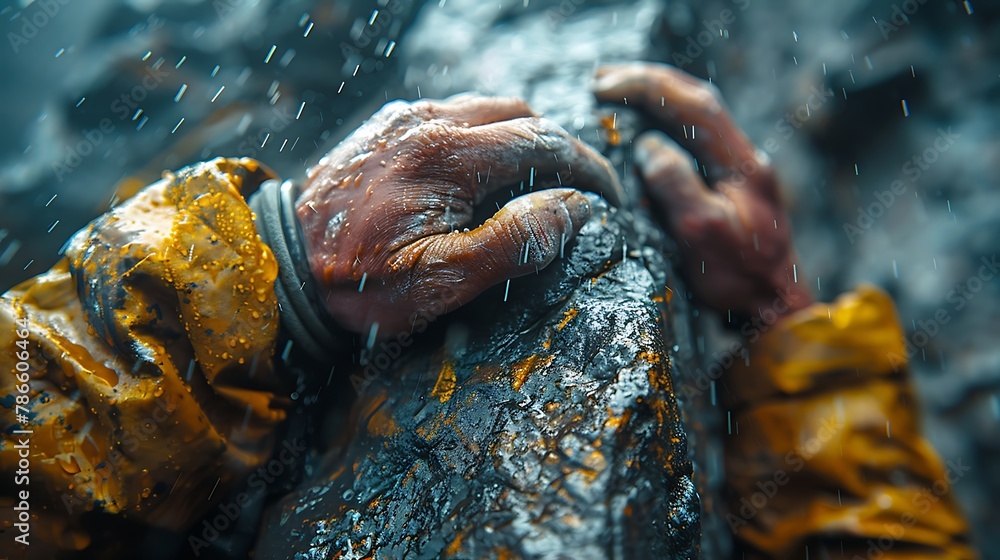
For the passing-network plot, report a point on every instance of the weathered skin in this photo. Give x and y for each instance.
(548, 431)
(733, 233)
(823, 455)
(390, 207)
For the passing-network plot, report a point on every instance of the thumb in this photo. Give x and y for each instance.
(527, 234)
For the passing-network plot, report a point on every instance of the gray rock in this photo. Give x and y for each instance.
(548, 430)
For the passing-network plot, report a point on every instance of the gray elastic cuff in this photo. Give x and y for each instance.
(306, 321)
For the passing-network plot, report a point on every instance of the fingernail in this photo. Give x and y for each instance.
(654, 146)
(604, 83)
(643, 149)
(579, 209)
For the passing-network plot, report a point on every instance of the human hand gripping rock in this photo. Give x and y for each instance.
(733, 232)
(388, 215)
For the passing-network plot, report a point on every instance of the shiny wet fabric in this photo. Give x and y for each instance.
(151, 380)
(825, 455)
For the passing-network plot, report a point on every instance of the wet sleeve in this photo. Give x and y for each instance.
(145, 358)
(824, 458)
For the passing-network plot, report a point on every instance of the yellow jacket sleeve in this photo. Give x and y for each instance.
(824, 458)
(141, 364)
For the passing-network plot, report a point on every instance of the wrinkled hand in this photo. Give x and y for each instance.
(385, 213)
(734, 237)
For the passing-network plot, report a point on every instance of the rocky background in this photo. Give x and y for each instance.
(882, 117)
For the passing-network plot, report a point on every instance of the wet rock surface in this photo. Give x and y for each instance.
(546, 52)
(942, 60)
(549, 430)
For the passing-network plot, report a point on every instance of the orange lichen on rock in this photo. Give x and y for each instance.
(658, 373)
(524, 368)
(444, 387)
(455, 546)
(382, 424)
(614, 136)
(617, 422)
(651, 357)
(667, 297)
(567, 317)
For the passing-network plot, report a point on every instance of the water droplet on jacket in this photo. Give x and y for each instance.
(70, 466)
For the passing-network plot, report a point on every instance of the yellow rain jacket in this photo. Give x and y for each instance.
(825, 458)
(149, 384)
(137, 379)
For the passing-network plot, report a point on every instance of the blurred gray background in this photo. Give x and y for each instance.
(858, 96)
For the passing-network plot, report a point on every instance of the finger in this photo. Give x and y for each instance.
(671, 179)
(678, 99)
(533, 150)
(527, 234)
(469, 109)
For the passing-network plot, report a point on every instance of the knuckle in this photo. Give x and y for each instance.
(545, 127)
(701, 225)
(432, 110)
(767, 175)
(531, 238)
(393, 117)
(423, 108)
(429, 138)
(708, 97)
(429, 109)
(764, 181)
(511, 232)
(668, 169)
(462, 97)
(396, 108)
(520, 103)
(549, 135)
(438, 152)
(431, 261)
